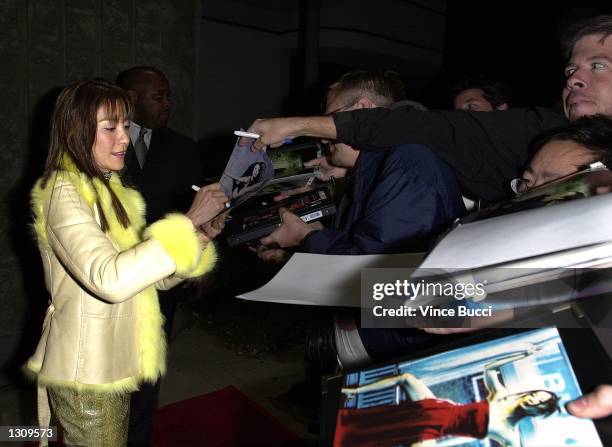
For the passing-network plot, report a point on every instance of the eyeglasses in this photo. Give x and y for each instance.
(521, 185)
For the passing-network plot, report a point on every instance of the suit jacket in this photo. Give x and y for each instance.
(171, 167)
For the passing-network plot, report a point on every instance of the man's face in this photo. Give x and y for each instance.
(473, 99)
(556, 159)
(152, 101)
(588, 86)
(341, 155)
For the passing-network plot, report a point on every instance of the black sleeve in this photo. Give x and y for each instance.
(188, 159)
(187, 169)
(486, 149)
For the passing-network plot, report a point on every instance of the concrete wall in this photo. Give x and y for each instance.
(45, 44)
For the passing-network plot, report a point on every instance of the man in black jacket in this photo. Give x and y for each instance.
(168, 163)
(487, 150)
(162, 164)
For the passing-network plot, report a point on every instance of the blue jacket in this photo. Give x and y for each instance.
(402, 199)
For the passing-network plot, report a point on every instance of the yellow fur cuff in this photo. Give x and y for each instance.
(207, 261)
(176, 234)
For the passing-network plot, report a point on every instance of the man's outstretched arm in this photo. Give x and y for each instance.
(486, 150)
(274, 131)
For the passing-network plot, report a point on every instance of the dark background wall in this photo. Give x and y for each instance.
(230, 61)
(514, 41)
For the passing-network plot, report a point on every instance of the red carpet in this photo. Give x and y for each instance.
(224, 418)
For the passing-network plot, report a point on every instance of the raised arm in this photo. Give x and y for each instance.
(493, 384)
(486, 150)
(491, 372)
(415, 389)
(274, 131)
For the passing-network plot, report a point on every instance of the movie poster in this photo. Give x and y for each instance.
(505, 392)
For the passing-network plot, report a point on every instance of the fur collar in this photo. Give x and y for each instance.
(95, 193)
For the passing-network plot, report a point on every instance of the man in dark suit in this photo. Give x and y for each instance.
(162, 164)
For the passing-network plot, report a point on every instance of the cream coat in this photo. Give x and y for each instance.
(103, 328)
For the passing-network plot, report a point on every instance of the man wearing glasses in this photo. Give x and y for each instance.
(567, 150)
(397, 200)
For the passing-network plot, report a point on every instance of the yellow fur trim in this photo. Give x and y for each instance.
(207, 260)
(152, 341)
(126, 385)
(176, 234)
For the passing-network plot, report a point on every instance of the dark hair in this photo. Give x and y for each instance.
(544, 409)
(383, 87)
(132, 77)
(73, 132)
(251, 168)
(593, 25)
(593, 132)
(495, 92)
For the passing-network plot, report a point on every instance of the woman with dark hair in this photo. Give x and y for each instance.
(102, 335)
(423, 418)
(250, 177)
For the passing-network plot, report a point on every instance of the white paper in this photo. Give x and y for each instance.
(570, 234)
(525, 235)
(326, 280)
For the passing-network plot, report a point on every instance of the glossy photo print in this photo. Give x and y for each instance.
(246, 171)
(505, 392)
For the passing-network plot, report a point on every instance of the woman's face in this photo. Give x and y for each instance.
(536, 398)
(256, 170)
(112, 139)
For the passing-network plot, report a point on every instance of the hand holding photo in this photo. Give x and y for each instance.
(508, 391)
(197, 188)
(255, 136)
(245, 172)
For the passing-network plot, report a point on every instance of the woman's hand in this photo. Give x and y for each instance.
(212, 229)
(208, 202)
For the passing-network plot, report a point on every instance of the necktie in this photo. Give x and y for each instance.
(140, 147)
